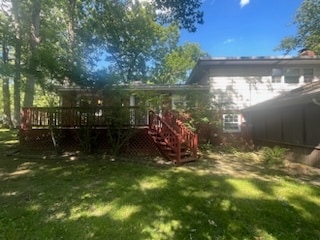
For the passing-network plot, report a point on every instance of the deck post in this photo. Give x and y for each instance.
(132, 110)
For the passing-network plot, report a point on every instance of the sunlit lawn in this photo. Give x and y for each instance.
(103, 199)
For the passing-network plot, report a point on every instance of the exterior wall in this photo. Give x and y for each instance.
(295, 125)
(238, 87)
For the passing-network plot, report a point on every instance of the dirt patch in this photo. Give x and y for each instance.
(249, 165)
(242, 165)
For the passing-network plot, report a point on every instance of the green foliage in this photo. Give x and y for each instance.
(134, 44)
(273, 155)
(68, 40)
(198, 109)
(307, 20)
(87, 138)
(288, 44)
(119, 131)
(186, 13)
(176, 64)
(45, 98)
(123, 120)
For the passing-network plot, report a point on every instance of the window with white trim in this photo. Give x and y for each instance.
(276, 75)
(231, 122)
(178, 102)
(292, 75)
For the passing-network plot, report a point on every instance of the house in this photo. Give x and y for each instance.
(238, 83)
(137, 117)
(233, 84)
(291, 119)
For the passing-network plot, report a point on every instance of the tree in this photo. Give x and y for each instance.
(5, 65)
(137, 46)
(129, 37)
(53, 41)
(5, 78)
(307, 19)
(16, 15)
(120, 36)
(176, 64)
(61, 52)
(186, 12)
(33, 62)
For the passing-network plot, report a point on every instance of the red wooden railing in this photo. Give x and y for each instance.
(174, 134)
(66, 117)
(189, 138)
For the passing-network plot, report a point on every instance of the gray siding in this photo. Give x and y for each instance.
(297, 125)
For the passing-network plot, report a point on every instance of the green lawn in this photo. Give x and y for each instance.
(103, 199)
(8, 140)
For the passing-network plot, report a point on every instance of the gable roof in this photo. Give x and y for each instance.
(205, 64)
(309, 93)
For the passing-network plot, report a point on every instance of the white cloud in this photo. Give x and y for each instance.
(229, 40)
(244, 2)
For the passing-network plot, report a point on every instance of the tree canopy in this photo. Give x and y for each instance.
(86, 41)
(307, 20)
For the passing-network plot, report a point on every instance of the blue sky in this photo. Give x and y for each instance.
(244, 27)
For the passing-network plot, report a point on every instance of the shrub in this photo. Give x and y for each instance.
(273, 155)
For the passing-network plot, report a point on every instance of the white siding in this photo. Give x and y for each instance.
(235, 88)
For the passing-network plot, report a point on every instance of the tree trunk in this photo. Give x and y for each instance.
(29, 92)
(17, 63)
(17, 83)
(34, 43)
(71, 35)
(6, 103)
(5, 82)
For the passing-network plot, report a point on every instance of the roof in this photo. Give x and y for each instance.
(142, 87)
(204, 64)
(306, 94)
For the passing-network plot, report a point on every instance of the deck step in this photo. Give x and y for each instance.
(162, 138)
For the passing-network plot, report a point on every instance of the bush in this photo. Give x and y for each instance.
(273, 155)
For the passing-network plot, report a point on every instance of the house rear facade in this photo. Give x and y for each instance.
(238, 83)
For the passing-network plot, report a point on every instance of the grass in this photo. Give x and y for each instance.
(8, 139)
(104, 199)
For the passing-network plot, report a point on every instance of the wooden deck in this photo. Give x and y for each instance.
(152, 133)
(75, 117)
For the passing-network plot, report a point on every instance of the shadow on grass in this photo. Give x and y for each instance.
(8, 141)
(101, 199)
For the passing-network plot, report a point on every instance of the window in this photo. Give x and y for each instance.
(308, 75)
(292, 75)
(178, 102)
(231, 123)
(276, 75)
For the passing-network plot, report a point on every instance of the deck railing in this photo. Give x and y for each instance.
(174, 133)
(189, 138)
(73, 117)
(170, 136)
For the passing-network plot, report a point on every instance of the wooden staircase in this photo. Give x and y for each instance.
(175, 141)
